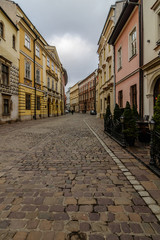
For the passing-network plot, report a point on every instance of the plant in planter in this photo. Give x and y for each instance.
(107, 117)
(116, 118)
(130, 129)
(156, 116)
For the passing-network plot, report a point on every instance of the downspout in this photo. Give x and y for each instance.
(141, 58)
(35, 95)
(114, 78)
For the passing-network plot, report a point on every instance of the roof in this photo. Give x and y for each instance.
(125, 14)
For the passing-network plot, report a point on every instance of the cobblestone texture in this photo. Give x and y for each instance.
(59, 181)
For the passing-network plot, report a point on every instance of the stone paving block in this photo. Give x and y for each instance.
(34, 235)
(20, 236)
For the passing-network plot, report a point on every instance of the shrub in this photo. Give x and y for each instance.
(156, 116)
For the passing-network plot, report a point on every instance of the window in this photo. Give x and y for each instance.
(27, 70)
(14, 42)
(56, 70)
(48, 83)
(28, 101)
(133, 92)
(1, 30)
(133, 44)
(48, 62)
(38, 74)
(38, 103)
(119, 58)
(110, 71)
(37, 51)
(5, 75)
(6, 105)
(56, 87)
(52, 66)
(52, 84)
(120, 99)
(27, 41)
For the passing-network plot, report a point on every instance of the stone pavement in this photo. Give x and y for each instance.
(64, 179)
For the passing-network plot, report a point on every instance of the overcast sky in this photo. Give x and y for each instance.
(74, 27)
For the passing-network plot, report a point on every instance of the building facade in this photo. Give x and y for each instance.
(41, 75)
(87, 93)
(105, 51)
(74, 98)
(126, 41)
(68, 99)
(9, 68)
(151, 67)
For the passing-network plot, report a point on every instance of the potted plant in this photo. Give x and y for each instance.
(130, 129)
(116, 118)
(107, 119)
(156, 116)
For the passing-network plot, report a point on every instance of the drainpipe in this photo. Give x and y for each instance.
(141, 58)
(114, 78)
(35, 95)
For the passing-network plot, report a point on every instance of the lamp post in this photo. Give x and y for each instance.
(151, 125)
(122, 122)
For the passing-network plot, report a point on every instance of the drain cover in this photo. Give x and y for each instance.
(76, 236)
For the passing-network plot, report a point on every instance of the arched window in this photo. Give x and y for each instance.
(1, 29)
(156, 90)
(14, 42)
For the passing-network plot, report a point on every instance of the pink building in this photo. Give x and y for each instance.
(127, 41)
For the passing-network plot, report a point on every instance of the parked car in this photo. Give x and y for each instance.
(93, 112)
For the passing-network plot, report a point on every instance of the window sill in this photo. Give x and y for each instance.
(119, 69)
(27, 48)
(132, 57)
(27, 79)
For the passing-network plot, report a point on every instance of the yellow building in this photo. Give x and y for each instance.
(74, 98)
(105, 86)
(9, 68)
(40, 70)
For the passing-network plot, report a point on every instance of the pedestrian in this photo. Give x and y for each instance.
(72, 112)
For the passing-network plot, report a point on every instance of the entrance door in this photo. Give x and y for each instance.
(156, 91)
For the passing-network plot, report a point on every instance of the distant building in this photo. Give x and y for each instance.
(87, 93)
(74, 98)
(105, 87)
(68, 99)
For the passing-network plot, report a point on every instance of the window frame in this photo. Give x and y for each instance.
(8, 98)
(27, 42)
(27, 72)
(133, 41)
(5, 73)
(48, 82)
(48, 62)
(37, 51)
(119, 58)
(38, 103)
(28, 101)
(120, 98)
(38, 80)
(1, 29)
(14, 42)
(133, 95)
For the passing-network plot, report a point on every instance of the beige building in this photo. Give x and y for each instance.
(151, 67)
(9, 68)
(105, 87)
(74, 98)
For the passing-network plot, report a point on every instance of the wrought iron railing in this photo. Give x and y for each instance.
(155, 149)
(115, 130)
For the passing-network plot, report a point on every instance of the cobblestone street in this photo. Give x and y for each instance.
(64, 179)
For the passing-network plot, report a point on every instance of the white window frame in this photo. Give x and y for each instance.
(119, 58)
(37, 51)
(48, 62)
(38, 75)
(28, 71)
(27, 42)
(133, 43)
(52, 66)
(48, 82)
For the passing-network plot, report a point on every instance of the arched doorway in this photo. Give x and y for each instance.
(156, 90)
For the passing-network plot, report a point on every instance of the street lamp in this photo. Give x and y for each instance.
(122, 122)
(151, 126)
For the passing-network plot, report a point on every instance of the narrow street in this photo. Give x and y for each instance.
(64, 179)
